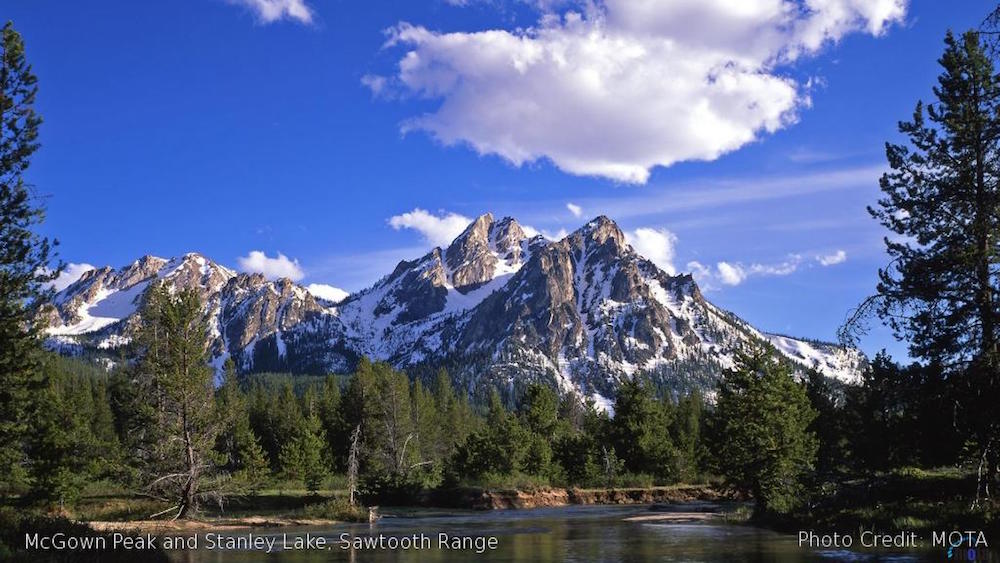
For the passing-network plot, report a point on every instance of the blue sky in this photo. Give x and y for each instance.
(224, 128)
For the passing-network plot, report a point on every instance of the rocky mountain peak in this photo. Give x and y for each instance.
(507, 237)
(602, 231)
(486, 248)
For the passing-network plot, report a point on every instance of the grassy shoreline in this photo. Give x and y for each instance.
(903, 500)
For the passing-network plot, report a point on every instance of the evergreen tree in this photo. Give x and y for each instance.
(352, 419)
(24, 257)
(641, 430)
(176, 380)
(455, 416)
(941, 200)
(288, 429)
(686, 433)
(102, 427)
(829, 426)
(432, 436)
(898, 416)
(540, 409)
(582, 447)
(329, 416)
(302, 453)
(242, 455)
(61, 445)
(313, 443)
(539, 415)
(390, 434)
(499, 448)
(763, 444)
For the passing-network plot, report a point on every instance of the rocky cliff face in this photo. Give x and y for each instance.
(496, 306)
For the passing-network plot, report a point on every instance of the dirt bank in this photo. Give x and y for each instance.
(501, 499)
(162, 526)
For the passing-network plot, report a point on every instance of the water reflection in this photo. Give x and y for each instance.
(574, 534)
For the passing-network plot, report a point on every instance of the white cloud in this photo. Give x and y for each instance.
(735, 273)
(831, 259)
(270, 11)
(575, 209)
(328, 292)
(732, 192)
(731, 274)
(700, 271)
(657, 245)
(376, 84)
(70, 274)
(437, 230)
(272, 268)
(613, 88)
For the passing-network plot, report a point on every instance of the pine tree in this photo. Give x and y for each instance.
(454, 414)
(540, 409)
(24, 256)
(432, 437)
(390, 434)
(641, 430)
(941, 200)
(329, 416)
(497, 448)
(763, 446)
(686, 433)
(312, 441)
(102, 427)
(173, 372)
(61, 444)
(539, 414)
(582, 448)
(289, 425)
(243, 456)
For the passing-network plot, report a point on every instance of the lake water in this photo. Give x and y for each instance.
(576, 533)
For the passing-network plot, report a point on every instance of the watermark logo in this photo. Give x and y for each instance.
(965, 546)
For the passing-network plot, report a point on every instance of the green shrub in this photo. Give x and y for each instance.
(337, 509)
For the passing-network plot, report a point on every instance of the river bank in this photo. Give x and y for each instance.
(299, 508)
(212, 524)
(494, 499)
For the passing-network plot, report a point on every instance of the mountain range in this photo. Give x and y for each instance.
(496, 307)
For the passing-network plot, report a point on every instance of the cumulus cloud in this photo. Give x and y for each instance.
(272, 268)
(731, 274)
(270, 11)
(575, 209)
(70, 274)
(614, 88)
(830, 259)
(438, 230)
(656, 245)
(328, 292)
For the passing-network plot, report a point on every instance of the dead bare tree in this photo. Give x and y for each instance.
(352, 465)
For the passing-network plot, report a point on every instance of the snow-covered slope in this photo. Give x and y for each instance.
(496, 306)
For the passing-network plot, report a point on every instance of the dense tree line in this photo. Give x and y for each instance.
(771, 433)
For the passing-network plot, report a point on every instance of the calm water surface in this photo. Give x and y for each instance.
(577, 533)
